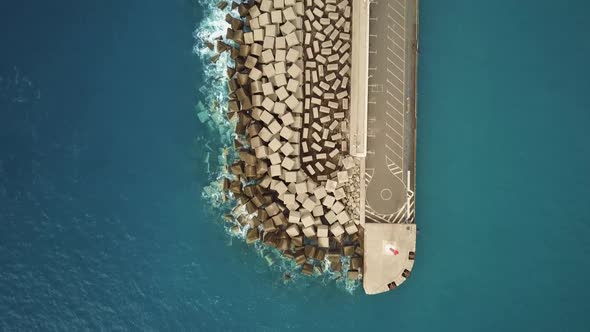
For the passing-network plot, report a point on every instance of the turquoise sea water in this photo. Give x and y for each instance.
(102, 168)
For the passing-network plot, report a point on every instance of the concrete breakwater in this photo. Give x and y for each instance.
(296, 186)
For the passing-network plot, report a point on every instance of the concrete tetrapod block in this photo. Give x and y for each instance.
(333, 153)
(292, 55)
(261, 152)
(294, 217)
(331, 217)
(339, 194)
(258, 35)
(301, 188)
(280, 188)
(267, 56)
(319, 166)
(343, 217)
(331, 185)
(337, 207)
(287, 149)
(255, 74)
(316, 147)
(301, 197)
(291, 177)
(348, 162)
(265, 135)
(287, 119)
(264, 19)
(336, 229)
(292, 102)
(275, 170)
(286, 133)
(266, 5)
(329, 201)
(280, 45)
(279, 79)
(274, 127)
(309, 231)
(289, 14)
(276, 16)
(280, 67)
(275, 145)
(280, 55)
(254, 23)
(288, 163)
(294, 70)
(309, 204)
(320, 192)
(351, 228)
(248, 38)
(275, 158)
(270, 31)
(292, 85)
(307, 219)
(279, 108)
(282, 93)
(318, 211)
(267, 89)
(256, 49)
(289, 199)
(293, 230)
(267, 104)
(268, 70)
(322, 231)
(287, 28)
(291, 39)
(265, 183)
(272, 209)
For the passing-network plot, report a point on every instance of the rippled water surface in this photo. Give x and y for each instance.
(103, 162)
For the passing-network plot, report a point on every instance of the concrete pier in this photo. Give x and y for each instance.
(389, 256)
(322, 94)
(390, 165)
(391, 111)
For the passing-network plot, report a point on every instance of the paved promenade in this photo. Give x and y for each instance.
(391, 111)
(390, 234)
(389, 255)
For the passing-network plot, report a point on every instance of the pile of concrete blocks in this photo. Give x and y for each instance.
(327, 55)
(283, 127)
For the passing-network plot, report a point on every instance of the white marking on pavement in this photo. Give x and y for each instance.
(402, 4)
(395, 131)
(392, 29)
(393, 107)
(392, 73)
(390, 6)
(390, 149)
(394, 141)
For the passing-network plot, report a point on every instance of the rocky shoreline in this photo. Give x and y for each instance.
(296, 186)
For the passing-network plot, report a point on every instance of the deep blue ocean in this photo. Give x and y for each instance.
(103, 163)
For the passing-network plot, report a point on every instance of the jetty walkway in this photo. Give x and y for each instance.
(389, 232)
